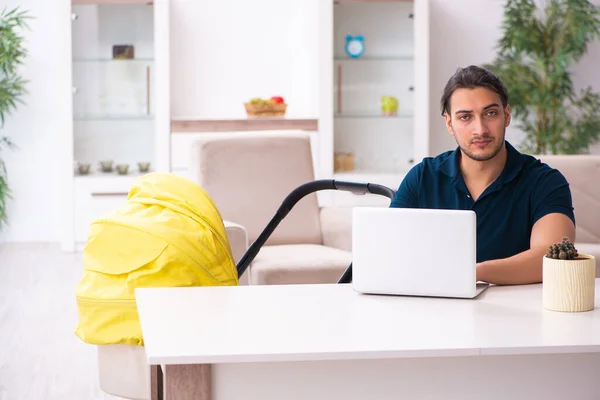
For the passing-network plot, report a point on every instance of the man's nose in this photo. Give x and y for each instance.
(480, 126)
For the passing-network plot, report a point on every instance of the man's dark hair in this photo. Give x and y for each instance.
(472, 77)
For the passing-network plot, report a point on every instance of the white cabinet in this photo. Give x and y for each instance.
(95, 196)
(361, 138)
(201, 60)
(121, 118)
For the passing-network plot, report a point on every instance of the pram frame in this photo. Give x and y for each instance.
(296, 195)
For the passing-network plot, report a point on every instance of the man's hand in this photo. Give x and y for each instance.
(526, 267)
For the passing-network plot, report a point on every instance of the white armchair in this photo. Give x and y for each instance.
(248, 177)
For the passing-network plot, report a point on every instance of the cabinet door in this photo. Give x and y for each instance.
(113, 81)
(421, 134)
(96, 196)
(373, 85)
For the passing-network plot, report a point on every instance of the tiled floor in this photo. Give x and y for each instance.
(40, 357)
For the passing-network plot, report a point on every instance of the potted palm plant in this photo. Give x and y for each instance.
(534, 56)
(12, 85)
(568, 278)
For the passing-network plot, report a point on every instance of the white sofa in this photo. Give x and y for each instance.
(583, 174)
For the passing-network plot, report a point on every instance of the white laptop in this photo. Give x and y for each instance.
(415, 252)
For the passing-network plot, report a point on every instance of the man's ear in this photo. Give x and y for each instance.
(508, 116)
(448, 123)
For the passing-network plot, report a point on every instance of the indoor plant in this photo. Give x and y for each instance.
(535, 53)
(12, 85)
(568, 278)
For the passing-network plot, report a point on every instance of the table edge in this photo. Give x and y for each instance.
(370, 355)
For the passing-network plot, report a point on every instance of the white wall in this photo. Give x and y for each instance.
(226, 52)
(42, 127)
(465, 32)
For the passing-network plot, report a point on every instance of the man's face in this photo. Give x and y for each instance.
(478, 122)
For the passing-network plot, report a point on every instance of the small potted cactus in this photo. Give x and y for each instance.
(568, 278)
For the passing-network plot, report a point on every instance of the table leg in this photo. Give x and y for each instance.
(188, 382)
(156, 382)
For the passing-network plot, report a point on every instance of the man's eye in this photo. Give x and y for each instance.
(463, 117)
(493, 113)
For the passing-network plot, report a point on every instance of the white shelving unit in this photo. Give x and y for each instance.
(227, 52)
(123, 109)
(394, 63)
(120, 106)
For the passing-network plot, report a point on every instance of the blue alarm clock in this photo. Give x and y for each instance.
(355, 46)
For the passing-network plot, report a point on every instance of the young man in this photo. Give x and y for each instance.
(522, 205)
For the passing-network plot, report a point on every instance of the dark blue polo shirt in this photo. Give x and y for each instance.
(525, 191)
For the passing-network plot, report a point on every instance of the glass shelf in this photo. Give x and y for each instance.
(111, 117)
(372, 116)
(112, 60)
(375, 58)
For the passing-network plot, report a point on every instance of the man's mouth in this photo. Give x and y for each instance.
(481, 143)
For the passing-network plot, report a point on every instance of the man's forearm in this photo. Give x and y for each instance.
(523, 268)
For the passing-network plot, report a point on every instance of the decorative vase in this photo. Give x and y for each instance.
(122, 169)
(83, 169)
(144, 166)
(343, 162)
(107, 166)
(569, 285)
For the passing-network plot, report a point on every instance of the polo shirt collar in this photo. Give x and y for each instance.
(451, 165)
(514, 163)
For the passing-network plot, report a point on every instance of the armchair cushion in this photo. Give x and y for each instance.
(249, 176)
(298, 264)
(581, 171)
(336, 227)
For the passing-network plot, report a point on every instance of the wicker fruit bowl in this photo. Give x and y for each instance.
(273, 107)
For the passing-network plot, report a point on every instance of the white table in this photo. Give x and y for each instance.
(329, 342)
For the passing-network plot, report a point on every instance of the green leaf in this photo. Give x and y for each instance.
(12, 86)
(534, 56)
(5, 195)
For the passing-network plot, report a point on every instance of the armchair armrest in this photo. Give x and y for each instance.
(593, 249)
(238, 239)
(336, 227)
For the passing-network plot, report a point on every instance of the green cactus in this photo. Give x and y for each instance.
(564, 250)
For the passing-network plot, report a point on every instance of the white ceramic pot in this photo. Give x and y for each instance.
(569, 285)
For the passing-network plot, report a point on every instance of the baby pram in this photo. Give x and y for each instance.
(296, 195)
(168, 233)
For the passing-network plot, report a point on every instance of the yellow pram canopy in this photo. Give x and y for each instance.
(168, 233)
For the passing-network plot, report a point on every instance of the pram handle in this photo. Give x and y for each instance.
(290, 201)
